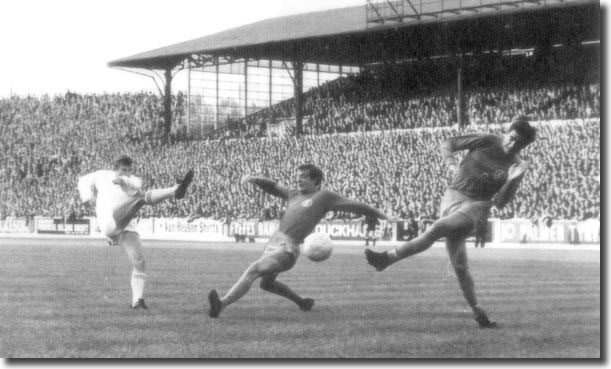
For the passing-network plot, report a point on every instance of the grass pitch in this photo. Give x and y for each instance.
(69, 298)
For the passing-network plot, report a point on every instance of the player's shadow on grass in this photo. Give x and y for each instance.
(278, 313)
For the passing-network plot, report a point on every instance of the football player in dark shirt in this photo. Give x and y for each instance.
(490, 167)
(306, 206)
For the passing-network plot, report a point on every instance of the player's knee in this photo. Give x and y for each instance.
(140, 266)
(253, 271)
(447, 227)
(267, 284)
(460, 267)
(138, 263)
(439, 228)
(274, 264)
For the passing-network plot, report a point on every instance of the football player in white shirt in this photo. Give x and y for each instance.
(118, 196)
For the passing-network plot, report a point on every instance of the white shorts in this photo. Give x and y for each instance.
(456, 202)
(281, 242)
(108, 227)
(283, 249)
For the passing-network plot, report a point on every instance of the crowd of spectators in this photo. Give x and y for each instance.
(48, 142)
(362, 103)
(424, 94)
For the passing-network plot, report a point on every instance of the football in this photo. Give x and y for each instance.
(317, 246)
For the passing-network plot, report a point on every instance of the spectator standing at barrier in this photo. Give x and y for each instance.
(370, 223)
(410, 229)
(481, 232)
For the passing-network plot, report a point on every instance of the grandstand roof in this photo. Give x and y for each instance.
(302, 26)
(344, 37)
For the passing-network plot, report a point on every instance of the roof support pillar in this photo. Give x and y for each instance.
(298, 93)
(270, 83)
(460, 98)
(245, 89)
(167, 104)
(189, 98)
(216, 120)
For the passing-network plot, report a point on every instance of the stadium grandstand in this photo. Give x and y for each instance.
(344, 41)
(368, 93)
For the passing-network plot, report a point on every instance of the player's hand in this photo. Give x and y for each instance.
(118, 180)
(518, 169)
(245, 179)
(452, 169)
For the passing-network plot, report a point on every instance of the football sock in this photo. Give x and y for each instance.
(155, 196)
(137, 284)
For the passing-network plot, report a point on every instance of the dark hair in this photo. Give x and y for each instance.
(315, 172)
(522, 127)
(123, 160)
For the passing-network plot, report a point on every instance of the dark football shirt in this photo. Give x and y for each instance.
(483, 171)
(304, 211)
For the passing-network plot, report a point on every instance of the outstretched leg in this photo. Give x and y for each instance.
(152, 197)
(268, 264)
(124, 214)
(455, 225)
(458, 256)
(270, 284)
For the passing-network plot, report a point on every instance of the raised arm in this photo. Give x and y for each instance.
(509, 189)
(447, 153)
(268, 186)
(459, 143)
(340, 203)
